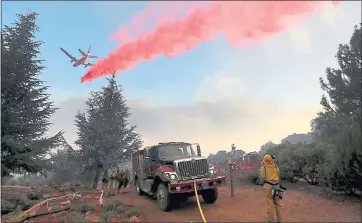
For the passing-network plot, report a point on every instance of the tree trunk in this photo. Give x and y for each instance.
(95, 180)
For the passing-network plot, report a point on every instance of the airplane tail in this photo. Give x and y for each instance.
(85, 54)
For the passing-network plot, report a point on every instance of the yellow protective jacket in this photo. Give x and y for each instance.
(269, 174)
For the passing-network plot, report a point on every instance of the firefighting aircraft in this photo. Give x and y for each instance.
(82, 60)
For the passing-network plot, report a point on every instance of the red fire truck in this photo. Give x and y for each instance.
(249, 166)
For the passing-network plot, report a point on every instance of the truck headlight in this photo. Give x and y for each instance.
(171, 175)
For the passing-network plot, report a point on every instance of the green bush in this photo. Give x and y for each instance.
(290, 160)
(116, 206)
(84, 207)
(33, 195)
(133, 212)
(315, 157)
(336, 163)
(121, 209)
(301, 161)
(75, 217)
(129, 214)
(345, 164)
(106, 216)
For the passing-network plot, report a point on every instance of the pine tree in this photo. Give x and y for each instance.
(340, 122)
(25, 104)
(342, 107)
(105, 137)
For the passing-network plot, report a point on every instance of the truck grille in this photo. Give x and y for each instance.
(189, 169)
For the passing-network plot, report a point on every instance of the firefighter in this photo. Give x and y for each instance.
(269, 178)
(120, 179)
(105, 180)
(111, 180)
(114, 180)
(126, 178)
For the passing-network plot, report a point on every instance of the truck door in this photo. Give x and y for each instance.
(141, 166)
(147, 163)
(154, 161)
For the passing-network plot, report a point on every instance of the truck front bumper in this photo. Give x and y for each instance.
(201, 184)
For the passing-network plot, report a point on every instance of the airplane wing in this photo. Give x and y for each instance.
(66, 53)
(81, 51)
(92, 57)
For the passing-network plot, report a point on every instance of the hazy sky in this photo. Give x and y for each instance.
(214, 95)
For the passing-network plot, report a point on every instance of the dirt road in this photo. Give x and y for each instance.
(248, 205)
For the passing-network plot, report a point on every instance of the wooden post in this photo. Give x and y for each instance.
(231, 168)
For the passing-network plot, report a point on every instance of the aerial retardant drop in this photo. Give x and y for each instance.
(241, 22)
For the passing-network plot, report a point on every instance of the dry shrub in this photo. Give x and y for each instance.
(129, 214)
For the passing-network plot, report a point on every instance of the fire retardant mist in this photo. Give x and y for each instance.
(241, 22)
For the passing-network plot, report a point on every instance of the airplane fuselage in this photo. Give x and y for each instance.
(81, 61)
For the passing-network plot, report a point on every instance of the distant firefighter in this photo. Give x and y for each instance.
(112, 180)
(120, 179)
(105, 180)
(126, 178)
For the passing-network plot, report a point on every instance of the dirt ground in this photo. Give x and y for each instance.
(300, 204)
(248, 205)
(89, 197)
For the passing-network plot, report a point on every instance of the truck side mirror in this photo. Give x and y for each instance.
(198, 150)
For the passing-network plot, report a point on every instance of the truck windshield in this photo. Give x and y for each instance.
(252, 158)
(169, 151)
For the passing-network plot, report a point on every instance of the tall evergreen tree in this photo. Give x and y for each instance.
(340, 122)
(25, 104)
(342, 106)
(105, 137)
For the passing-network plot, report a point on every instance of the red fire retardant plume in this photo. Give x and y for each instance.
(241, 22)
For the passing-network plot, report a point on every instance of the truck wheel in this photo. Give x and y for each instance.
(163, 198)
(210, 195)
(138, 188)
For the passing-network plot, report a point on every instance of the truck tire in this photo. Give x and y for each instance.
(138, 188)
(163, 198)
(210, 195)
